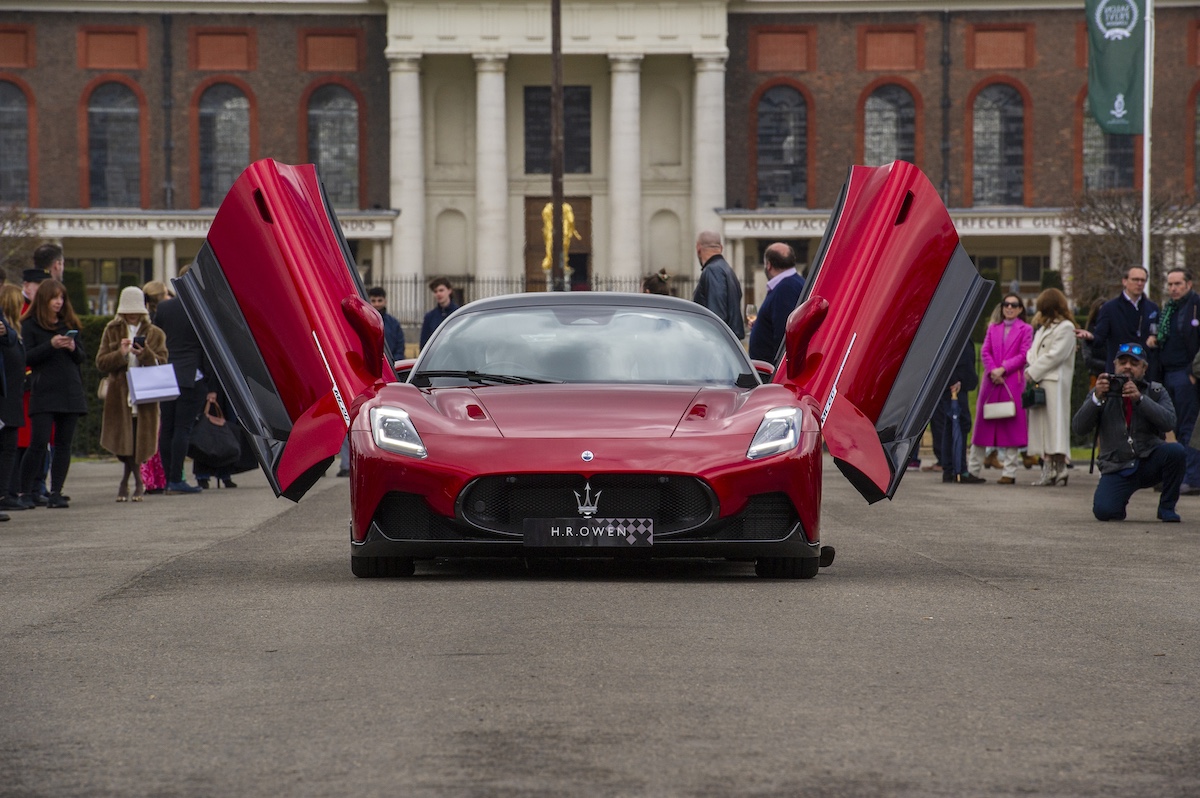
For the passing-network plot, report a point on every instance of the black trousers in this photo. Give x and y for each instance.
(42, 426)
(176, 419)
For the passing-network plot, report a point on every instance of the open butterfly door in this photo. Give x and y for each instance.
(280, 309)
(890, 301)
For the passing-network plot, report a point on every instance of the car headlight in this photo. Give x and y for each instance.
(778, 432)
(393, 430)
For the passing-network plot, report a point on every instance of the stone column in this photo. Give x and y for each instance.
(159, 269)
(708, 142)
(170, 261)
(625, 170)
(377, 262)
(491, 173)
(406, 182)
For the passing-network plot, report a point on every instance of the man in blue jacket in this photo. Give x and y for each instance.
(1130, 317)
(784, 287)
(393, 333)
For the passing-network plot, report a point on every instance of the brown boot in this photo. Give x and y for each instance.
(992, 461)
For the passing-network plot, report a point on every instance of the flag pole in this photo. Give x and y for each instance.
(1147, 105)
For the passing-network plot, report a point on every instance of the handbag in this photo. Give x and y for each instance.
(1034, 395)
(999, 410)
(102, 388)
(148, 384)
(213, 442)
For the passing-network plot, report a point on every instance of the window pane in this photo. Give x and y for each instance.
(333, 143)
(577, 130)
(1031, 268)
(999, 161)
(782, 148)
(1107, 159)
(224, 141)
(14, 145)
(114, 151)
(890, 126)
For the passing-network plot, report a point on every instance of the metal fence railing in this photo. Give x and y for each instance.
(409, 297)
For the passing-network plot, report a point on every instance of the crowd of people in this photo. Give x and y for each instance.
(1143, 368)
(42, 395)
(1143, 365)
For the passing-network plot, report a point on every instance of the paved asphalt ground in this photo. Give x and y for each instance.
(969, 641)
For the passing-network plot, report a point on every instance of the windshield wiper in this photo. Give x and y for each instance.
(421, 379)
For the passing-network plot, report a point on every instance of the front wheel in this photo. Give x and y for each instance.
(381, 567)
(787, 567)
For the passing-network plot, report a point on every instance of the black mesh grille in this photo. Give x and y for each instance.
(769, 516)
(406, 516)
(501, 503)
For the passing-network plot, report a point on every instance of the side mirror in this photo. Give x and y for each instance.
(368, 325)
(802, 324)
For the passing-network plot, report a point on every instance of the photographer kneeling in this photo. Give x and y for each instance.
(1133, 415)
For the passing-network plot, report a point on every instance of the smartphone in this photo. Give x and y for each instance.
(71, 333)
(139, 340)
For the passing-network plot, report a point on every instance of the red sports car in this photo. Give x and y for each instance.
(583, 424)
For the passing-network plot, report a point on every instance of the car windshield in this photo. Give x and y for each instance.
(582, 343)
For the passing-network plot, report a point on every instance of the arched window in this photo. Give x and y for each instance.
(999, 142)
(14, 145)
(333, 142)
(114, 151)
(224, 128)
(782, 148)
(1196, 147)
(889, 126)
(1107, 158)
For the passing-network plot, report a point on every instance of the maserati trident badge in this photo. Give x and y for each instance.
(586, 504)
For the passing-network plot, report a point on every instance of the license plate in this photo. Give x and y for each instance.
(582, 532)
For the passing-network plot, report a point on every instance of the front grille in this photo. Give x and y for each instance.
(768, 516)
(407, 516)
(502, 503)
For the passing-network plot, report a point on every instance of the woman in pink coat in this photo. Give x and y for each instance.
(1003, 354)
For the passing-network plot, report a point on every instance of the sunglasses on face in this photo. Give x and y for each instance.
(1012, 304)
(1131, 349)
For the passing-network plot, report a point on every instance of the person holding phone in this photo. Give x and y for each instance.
(53, 353)
(129, 431)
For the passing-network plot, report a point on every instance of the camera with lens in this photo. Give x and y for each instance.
(1116, 383)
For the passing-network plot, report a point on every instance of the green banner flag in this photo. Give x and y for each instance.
(1116, 64)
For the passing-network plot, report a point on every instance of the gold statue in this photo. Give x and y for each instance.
(569, 232)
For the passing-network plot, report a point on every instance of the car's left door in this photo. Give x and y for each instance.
(279, 306)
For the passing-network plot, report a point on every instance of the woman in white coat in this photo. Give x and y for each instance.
(1051, 363)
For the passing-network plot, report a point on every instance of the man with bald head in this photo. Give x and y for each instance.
(784, 287)
(718, 288)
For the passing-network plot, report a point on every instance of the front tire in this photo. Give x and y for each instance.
(787, 567)
(382, 567)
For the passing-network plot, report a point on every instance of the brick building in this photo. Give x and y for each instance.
(428, 118)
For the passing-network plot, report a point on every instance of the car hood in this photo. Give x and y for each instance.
(572, 411)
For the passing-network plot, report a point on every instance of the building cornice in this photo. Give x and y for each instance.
(60, 224)
(738, 223)
(600, 27)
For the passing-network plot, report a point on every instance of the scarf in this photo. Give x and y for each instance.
(1164, 324)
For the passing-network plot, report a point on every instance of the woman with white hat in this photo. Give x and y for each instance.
(129, 431)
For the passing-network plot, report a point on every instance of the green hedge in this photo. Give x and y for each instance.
(87, 434)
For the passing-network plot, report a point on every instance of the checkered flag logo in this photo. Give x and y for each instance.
(635, 530)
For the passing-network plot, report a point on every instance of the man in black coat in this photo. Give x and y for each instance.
(1178, 343)
(177, 417)
(718, 288)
